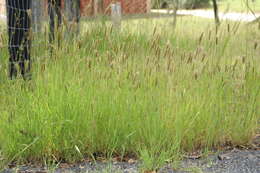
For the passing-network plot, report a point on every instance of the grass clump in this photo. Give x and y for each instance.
(151, 92)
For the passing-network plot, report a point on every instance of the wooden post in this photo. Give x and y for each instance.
(116, 14)
(98, 7)
(95, 6)
(54, 11)
(148, 6)
(37, 15)
(72, 11)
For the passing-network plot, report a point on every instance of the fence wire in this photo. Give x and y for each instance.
(33, 24)
(25, 20)
(19, 42)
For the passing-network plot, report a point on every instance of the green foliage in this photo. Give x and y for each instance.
(146, 91)
(188, 4)
(239, 6)
(192, 4)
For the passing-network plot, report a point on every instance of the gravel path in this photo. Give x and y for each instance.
(243, 17)
(235, 161)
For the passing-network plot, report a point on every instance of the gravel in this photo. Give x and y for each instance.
(234, 161)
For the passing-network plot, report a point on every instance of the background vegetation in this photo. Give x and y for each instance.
(187, 4)
(239, 5)
(224, 5)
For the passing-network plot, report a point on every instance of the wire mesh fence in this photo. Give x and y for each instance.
(34, 24)
(24, 22)
(19, 42)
